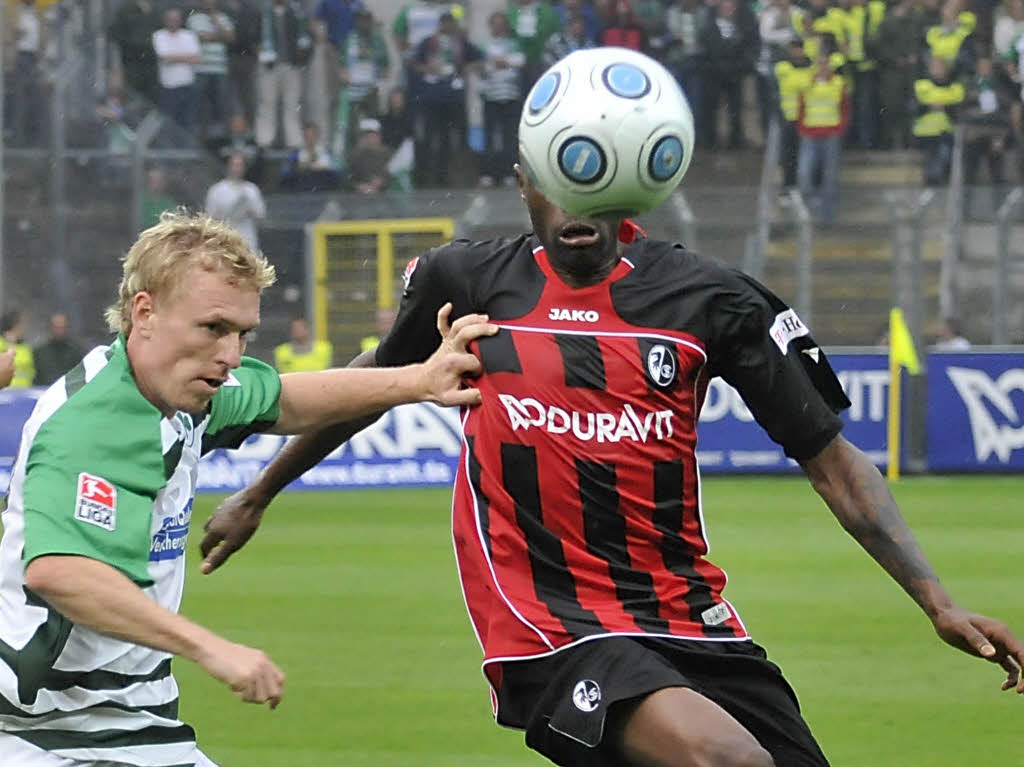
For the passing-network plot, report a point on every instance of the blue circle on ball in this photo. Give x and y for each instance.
(544, 91)
(581, 160)
(627, 81)
(666, 158)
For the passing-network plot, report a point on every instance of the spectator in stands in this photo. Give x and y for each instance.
(178, 54)
(117, 137)
(939, 99)
(302, 352)
(950, 338)
(793, 76)
(442, 61)
(573, 37)
(363, 65)
(240, 140)
(385, 319)
(216, 31)
(624, 29)
(862, 19)
(730, 41)
(285, 48)
(820, 20)
(775, 25)
(156, 197)
(12, 336)
(243, 57)
(952, 39)
(824, 113)
(237, 201)
(58, 354)
(987, 121)
(397, 135)
(532, 22)
(501, 91)
(132, 29)
(684, 55)
(1009, 27)
(311, 167)
(26, 93)
(414, 23)
(568, 9)
(7, 367)
(895, 48)
(333, 22)
(368, 170)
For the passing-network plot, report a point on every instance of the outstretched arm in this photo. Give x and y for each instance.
(237, 517)
(860, 499)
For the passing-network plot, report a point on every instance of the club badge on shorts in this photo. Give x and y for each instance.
(586, 695)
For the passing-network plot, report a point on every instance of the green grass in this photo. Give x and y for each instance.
(355, 595)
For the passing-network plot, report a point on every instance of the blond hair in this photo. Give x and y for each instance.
(162, 254)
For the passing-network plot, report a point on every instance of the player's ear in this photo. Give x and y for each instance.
(143, 312)
(520, 179)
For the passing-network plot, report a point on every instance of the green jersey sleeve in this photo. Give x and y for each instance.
(246, 404)
(79, 502)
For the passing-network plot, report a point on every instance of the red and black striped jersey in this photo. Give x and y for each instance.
(577, 508)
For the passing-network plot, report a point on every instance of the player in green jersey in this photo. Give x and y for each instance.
(92, 556)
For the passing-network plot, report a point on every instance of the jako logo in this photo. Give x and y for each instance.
(586, 695)
(975, 387)
(573, 315)
(603, 427)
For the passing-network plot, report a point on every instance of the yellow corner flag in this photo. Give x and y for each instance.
(902, 354)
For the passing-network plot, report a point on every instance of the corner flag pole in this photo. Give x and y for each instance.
(901, 355)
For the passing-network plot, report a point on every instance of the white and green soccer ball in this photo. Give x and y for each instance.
(606, 131)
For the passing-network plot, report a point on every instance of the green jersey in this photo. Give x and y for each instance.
(100, 473)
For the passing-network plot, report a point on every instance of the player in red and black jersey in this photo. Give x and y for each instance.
(578, 524)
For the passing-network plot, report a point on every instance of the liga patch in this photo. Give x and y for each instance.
(409, 269)
(96, 502)
(786, 327)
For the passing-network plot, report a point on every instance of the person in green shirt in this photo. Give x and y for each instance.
(97, 518)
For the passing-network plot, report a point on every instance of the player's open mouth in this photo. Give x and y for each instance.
(213, 383)
(578, 235)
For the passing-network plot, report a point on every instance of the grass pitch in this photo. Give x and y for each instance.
(355, 595)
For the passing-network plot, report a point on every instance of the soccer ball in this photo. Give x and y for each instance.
(606, 131)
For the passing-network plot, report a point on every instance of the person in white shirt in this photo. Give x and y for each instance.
(24, 124)
(178, 54)
(237, 201)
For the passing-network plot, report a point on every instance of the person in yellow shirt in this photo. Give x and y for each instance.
(939, 99)
(793, 75)
(823, 116)
(12, 337)
(302, 352)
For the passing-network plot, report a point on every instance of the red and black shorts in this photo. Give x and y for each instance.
(562, 700)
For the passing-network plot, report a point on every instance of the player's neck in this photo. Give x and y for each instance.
(583, 269)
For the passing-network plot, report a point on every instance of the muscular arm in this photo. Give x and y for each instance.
(237, 518)
(97, 596)
(859, 498)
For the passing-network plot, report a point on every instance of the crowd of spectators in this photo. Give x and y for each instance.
(254, 77)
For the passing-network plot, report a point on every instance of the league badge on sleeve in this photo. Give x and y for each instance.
(786, 327)
(409, 269)
(96, 502)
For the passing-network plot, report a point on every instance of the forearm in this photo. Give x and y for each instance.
(859, 497)
(95, 595)
(302, 453)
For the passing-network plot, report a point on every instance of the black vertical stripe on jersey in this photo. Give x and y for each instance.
(646, 345)
(604, 529)
(668, 519)
(552, 581)
(581, 357)
(498, 353)
(483, 504)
